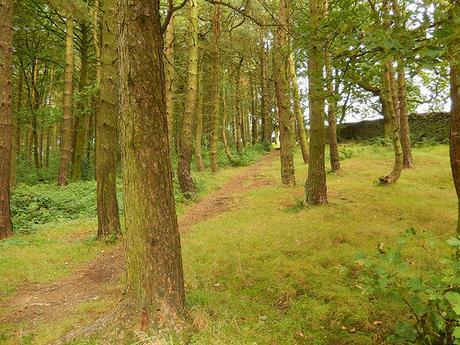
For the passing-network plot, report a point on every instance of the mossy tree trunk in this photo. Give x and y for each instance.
(455, 131)
(264, 112)
(16, 139)
(170, 76)
(6, 113)
(67, 117)
(315, 186)
(155, 281)
(281, 64)
(106, 129)
(392, 108)
(302, 131)
(184, 174)
(215, 88)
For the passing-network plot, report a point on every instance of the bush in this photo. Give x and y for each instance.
(431, 297)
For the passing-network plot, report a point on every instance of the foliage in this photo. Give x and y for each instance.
(431, 297)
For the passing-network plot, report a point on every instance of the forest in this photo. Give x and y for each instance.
(230, 172)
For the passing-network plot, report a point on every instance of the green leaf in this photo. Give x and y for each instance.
(454, 300)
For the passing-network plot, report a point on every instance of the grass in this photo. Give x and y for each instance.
(271, 271)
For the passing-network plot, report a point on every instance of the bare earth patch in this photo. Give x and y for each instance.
(44, 303)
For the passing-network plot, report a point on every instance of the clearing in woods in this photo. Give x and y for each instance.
(259, 268)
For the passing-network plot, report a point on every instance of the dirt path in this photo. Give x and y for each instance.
(43, 303)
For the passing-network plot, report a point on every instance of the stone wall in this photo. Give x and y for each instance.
(430, 126)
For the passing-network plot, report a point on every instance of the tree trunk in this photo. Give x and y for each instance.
(404, 118)
(455, 132)
(237, 114)
(331, 114)
(155, 280)
(6, 113)
(315, 186)
(199, 125)
(16, 132)
(83, 104)
(106, 129)
(215, 90)
(282, 94)
(390, 99)
(224, 124)
(254, 122)
(184, 175)
(302, 131)
(264, 111)
(66, 132)
(170, 77)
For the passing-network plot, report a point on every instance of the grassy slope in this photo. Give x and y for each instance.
(269, 271)
(278, 270)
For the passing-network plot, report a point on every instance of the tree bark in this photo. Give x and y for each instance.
(455, 132)
(237, 107)
(215, 90)
(66, 132)
(315, 186)
(264, 112)
(390, 99)
(170, 77)
(155, 278)
(404, 118)
(331, 114)
(302, 131)
(184, 175)
(224, 124)
(16, 133)
(281, 59)
(199, 126)
(106, 129)
(82, 105)
(6, 113)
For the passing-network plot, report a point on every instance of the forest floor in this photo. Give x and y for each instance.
(259, 268)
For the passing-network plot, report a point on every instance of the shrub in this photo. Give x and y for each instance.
(431, 297)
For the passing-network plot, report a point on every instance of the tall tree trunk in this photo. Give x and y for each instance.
(264, 111)
(184, 174)
(282, 94)
(254, 122)
(215, 89)
(391, 99)
(6, 113)
(455, 132)
(331, 114)
(48, 145)
(404, 118)
(16, 139)
(199, 125)
(35, 105)
(66, 132)
(224, 124)
(82, 106)
(170, 77)
(106, 129)
(237, 107)
(302, 131)
(155, 281)
(315, 186)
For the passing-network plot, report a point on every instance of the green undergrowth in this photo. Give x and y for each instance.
(36, 204)
(271, 271)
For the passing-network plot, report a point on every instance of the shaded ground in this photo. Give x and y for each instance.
(43, 303)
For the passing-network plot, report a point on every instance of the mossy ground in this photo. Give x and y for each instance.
(270, 271)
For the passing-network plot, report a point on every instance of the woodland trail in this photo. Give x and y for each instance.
(35, 304)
